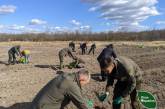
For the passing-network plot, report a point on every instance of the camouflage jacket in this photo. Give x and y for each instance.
(15, 49)
(125, 70)
(67, 52)
(57, 93)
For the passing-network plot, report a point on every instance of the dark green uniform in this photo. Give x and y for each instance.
(12, 52)
(65, 52)
(129, 78)
(92, 49)
(59, 92)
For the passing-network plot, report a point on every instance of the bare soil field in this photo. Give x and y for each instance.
(20, 83)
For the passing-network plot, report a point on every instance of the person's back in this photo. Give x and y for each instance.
(25, 52)
(15, 49)
(65, 51)
(59, 92)
(106, 52)
(130, 66)
(52, 95)
(25, 56)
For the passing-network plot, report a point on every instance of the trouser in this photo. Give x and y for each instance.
(61, 58)
(12, 58)
(83, 51)
(92, 50)
(119, 87)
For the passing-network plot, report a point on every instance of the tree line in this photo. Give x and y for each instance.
(153, 35)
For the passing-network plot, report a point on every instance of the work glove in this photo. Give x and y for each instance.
(90, 104)
(118, 100)
(103, 96)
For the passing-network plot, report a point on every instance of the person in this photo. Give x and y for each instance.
(61, 90)
(83, 47)
(26, 55)
(65, 52)
(78, 63)
(92, 49)
(129, 79)
(15, 50)
(72, 45)
(106, 52)
(110, 46)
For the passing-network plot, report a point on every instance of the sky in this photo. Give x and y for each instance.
(37, 16)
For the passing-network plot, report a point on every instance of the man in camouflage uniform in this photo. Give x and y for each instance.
(61, 90)
(106, 52)
(65, 52)
(92, 49)
(72, 45)
(129, 79)
(12, 52)
(83, 47)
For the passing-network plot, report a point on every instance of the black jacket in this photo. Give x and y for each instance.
(126, 70)
(107, 52)
(15, 50)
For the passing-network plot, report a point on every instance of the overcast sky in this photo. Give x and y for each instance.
(17, 16)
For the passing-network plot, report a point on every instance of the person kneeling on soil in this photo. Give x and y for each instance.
(61, 90)
(25, 56)
(128, 76)
(78, 63)
(12, 54)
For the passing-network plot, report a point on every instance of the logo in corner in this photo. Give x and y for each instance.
(147, 100)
